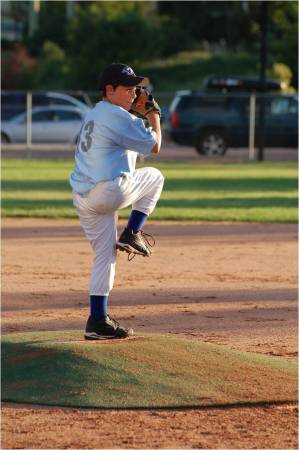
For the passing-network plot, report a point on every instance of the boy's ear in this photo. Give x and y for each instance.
(109, 89)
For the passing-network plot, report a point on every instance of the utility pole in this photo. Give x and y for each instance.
(263, 65)
(34, 8)
(70, 8)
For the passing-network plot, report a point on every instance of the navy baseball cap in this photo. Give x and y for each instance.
(120, 74)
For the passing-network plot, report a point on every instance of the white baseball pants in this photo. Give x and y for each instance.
(97, 211)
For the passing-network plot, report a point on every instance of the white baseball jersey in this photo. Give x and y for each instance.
(109, 142)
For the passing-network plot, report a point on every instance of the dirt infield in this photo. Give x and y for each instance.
(233, 284)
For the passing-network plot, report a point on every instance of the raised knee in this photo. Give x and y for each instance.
(158, 175)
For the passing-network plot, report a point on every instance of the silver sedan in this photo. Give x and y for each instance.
(50, 124)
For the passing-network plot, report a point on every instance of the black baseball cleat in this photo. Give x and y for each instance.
(137, 243)
(105, 328)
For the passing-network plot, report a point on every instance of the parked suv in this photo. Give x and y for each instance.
(214, 122)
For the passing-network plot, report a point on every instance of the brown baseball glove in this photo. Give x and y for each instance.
(144, 103)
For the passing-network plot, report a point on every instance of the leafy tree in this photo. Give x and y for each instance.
(100, 34)
(211, 21)
(51, 67)
(284, 34)
(52, 22)
(70, 53)
(237, 23)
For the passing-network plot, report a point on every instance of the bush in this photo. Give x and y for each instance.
(18, 68)
(51, 67)
(283, 73)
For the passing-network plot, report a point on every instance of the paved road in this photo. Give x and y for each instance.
(170, 152)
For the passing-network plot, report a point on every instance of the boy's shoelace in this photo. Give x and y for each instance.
(147, 237)
(117, 324)
(131, 256)
(149, 240)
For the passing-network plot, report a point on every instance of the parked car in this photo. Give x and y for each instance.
(214, 122)
(15, 102)
(231, 83)
(50, 124)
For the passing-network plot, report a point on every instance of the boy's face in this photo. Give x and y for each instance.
(121, 96)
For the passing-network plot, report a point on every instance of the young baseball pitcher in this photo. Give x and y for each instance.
(105, 180)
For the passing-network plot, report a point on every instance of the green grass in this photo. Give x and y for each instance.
(56, 368)
(187, 70)
(248, 192)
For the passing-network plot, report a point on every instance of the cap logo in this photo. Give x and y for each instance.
(128, 71)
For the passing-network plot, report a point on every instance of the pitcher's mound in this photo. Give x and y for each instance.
(104, 340)
(60, 368)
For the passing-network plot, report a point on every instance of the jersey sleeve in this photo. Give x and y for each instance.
(133, 135)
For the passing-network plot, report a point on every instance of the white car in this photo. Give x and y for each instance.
(14, 102)
(50, 124)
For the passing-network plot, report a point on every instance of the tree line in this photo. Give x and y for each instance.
(69, 53)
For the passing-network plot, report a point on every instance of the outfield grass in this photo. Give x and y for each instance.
(250, 192)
